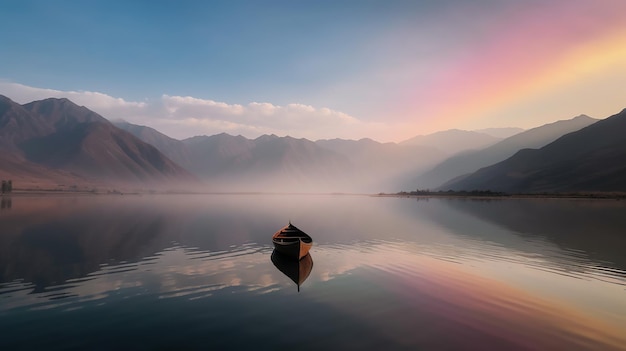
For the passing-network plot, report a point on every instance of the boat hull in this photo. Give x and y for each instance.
(296, 249)
(292, 242)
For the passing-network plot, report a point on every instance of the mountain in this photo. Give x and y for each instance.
(174, 149)
(471, 161)
(356, 165)
(590, 159)
(18, 125)
(453, 141)
(267, 163)
(28, 175)
(61, 137)
(220, 155)
(384, 166)
(500, 132)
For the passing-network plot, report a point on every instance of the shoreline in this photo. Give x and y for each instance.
(52, 192)
(583, 196)
(421, 195)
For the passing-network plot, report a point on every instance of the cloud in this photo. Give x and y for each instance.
(24, 94)
(106, 105)
(292, 118)
(187, 105)
(186, 116)
(256, 118)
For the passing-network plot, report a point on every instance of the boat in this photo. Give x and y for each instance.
(292, 242)
(297, 271)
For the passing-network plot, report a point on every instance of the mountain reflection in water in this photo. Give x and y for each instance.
(147, 272)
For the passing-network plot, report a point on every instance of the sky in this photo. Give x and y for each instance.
(387, 70)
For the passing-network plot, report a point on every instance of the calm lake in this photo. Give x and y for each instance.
(176, 272)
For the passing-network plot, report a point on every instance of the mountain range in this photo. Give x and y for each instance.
(590, 159)
(54, 143)
(272, 163)
(55, 138)
(471, 161)
(454, 140)
(500, 132)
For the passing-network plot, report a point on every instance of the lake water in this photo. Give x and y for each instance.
(176, 272)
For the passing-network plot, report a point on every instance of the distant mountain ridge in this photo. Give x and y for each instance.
(174, 149)
(64, 138)
(471, 161)
(55, 141)
(500, 132)
(384, 165)
(590, 159)
(267, 163)
(337, 164)
(453, 141)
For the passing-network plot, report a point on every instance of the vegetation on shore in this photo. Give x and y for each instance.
(7, 186)
(489, 193)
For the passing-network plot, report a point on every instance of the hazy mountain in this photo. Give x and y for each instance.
(29, 175)
(500, 132)
(590, 159)
(384, 166)
(220, 154)
(453, 141)
(57, 141)
(471, 161)
(63, 138)
(267, 163)
(224, 158)
(174, 149)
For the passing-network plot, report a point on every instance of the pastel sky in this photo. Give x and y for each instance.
(388, 70)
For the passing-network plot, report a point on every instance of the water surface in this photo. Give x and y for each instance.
(195, 272)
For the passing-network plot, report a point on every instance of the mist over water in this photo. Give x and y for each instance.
(195, 271)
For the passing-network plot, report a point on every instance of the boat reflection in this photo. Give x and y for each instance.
(297, 270)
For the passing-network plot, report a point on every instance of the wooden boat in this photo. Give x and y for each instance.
(297, 271)
(292, 242)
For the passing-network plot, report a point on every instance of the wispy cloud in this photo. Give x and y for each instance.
(23, 94)
(186, 116)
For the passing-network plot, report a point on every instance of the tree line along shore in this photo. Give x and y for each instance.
(498, 194)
